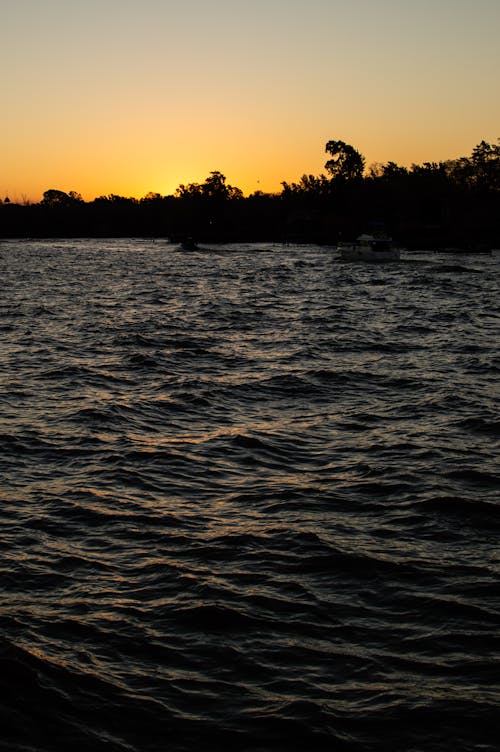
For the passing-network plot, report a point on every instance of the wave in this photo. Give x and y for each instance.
(249, 500)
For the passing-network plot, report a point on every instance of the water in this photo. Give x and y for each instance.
(249, 499)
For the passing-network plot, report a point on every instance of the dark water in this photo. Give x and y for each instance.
(249, 500)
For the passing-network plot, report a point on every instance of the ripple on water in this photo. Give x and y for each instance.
(249, 499)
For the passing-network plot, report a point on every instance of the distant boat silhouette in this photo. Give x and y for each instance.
(189, 245)
(369, 248)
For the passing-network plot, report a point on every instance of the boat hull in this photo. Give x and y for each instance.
(376, 247)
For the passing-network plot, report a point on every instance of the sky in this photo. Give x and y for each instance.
(132, 96)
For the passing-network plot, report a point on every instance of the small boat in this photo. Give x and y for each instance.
(189, 245)
(369, 248)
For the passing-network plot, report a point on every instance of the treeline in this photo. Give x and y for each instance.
(452, 203)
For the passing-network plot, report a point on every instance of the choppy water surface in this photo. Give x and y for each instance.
(249, 498)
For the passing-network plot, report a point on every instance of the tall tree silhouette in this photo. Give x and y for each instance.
(346, 164)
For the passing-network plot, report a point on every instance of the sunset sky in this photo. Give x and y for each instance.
(126, 97)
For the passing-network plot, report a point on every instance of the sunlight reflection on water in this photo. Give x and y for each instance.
(248, 495)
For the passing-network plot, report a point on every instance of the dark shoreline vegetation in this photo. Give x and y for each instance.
(434, 205)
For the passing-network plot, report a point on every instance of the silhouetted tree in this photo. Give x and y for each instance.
(346, 164)
(191, 190)
(392, 171)
(461, 172)
(433, 204)
(486, 163)
(308, 184)
(115, 200)
(55, 198)
(151, 198)
(213, 187)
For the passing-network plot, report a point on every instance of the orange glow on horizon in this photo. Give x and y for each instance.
(166, 96)
(137, 177)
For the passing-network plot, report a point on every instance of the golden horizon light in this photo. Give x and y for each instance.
(127, 98)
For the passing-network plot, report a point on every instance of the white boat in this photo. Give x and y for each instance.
(369, 248)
